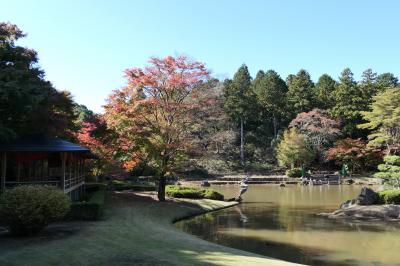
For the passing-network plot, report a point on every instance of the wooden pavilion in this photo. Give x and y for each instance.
(44, 161)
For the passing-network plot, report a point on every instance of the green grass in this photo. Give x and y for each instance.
(192, 193)
(135, 231)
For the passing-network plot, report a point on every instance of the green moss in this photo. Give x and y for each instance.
(391, 196)
(193, 193)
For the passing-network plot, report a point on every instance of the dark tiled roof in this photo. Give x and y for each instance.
(41, 144)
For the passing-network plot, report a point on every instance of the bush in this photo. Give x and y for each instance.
(90, 210)
(193, 193)
(125, 185)
(391, 196)
(295, 172)
(212, 194)
(26, 210)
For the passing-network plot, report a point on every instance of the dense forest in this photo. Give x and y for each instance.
(174, 118)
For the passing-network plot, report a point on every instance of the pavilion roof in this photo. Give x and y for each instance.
(41, 144)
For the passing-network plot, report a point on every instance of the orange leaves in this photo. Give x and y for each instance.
(130, 164)
(169, 73)
(153, 112)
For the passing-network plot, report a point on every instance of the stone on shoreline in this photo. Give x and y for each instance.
(364, 207)
(371, 212)
(367, 197)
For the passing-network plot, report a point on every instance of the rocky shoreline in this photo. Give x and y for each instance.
(371, 212)
(364, 207)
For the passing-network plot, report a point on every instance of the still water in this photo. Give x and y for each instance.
(283, 223)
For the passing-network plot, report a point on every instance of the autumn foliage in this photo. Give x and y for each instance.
(355, 153)
(154, 113)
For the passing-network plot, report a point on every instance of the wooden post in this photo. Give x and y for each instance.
(3, 171)
(63, 169)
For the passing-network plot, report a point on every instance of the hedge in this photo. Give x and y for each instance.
(125, 185)
(295, 172)
(192, 193)
(90, 210)
(391, 196)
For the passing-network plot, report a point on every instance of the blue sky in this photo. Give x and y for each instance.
(84, 46)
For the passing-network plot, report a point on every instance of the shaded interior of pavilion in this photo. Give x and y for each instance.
(39, 160)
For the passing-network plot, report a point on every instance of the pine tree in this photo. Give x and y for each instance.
(390, 170)
(240, 101)
(387, 80)
(271, 93)
(368, 85)
(300, 92)
(324, 92)
(384, 120)
(349, 101)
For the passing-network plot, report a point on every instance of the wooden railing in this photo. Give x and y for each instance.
(42, 183)
(71, 184)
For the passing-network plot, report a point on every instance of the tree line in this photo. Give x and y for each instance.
(173, 117)
(266, 105)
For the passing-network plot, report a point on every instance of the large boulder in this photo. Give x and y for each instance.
(367, 197)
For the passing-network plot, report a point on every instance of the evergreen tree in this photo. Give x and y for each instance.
(324, 92)
(240, 101)
(300, 92)
(387, 80)
(28, 103)
(368, 85)
(390, 171)
(271, 92)
(349, 101)
(384, 120)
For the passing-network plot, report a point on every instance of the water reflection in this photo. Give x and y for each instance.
(283, 223)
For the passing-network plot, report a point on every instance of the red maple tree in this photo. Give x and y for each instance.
(155, 111)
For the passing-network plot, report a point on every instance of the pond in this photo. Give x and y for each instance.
(283, 223)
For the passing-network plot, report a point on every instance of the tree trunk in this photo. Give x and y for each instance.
(162, 179)
(241, 142)
(161, 187)
(275, 126)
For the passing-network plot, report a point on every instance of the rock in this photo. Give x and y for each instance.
(347, 204)
(205, 183)
(350, 181)
(237, 199)
(282, 185)
(372, 212)
(367, 197)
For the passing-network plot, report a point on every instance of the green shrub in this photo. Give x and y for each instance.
(26, 210)
(192, 193)
(90, 210)
(125, 185)
(212, 194)
(295, 172)
(391, 196)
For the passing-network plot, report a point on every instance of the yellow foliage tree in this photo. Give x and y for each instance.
(292, 150)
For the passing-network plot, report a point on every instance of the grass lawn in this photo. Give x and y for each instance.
(136, 230)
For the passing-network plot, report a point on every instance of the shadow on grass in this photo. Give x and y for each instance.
(135, 230)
